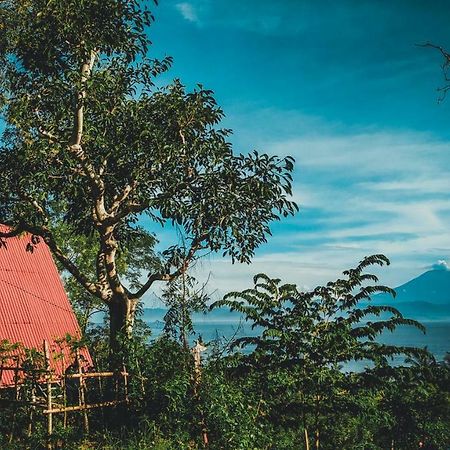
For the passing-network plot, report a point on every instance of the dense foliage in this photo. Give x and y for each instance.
(284, 389)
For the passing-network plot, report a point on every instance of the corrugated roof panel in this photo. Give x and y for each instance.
(33, 304)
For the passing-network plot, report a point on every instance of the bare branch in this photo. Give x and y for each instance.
(77, 151)
(445, 69)
(444, 53)
(93, 288)
(96, 182)
(102, 168)
(183, 138)
(124, 211)
(130, 208)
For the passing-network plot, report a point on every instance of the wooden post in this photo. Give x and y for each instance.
(64, 387)
(16, 397)
(125, 384)
(49, 396)
(2, 362)
(81, 393)
(100, 387)
(116, 385)
(196, 352)
(306, 439)
(32, 408)
(33, 398)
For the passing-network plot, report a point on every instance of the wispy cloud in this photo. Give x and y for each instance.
(360, 192)
(188, 11)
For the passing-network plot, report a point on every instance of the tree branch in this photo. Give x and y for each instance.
(100, 266)
(119, 199)
(13, 231)
(196, 245)
(125, 211)
(445, 68)
(102, 276)
(76, 149)
(86, 70)
(48, 238)
(51, 137)
(444, 53)
(40, 209)
(130, 208)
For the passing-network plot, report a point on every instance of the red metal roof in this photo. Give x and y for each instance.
(33, 304)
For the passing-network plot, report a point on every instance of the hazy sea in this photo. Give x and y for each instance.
(436, 338)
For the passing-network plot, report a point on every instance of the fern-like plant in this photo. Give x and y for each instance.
(327, 326)
(304, 339)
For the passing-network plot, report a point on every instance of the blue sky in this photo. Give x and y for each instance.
(343, 88)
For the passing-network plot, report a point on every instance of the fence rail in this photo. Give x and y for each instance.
(43, 390)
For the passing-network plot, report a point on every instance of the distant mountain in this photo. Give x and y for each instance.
(432, 286)
(426, 297)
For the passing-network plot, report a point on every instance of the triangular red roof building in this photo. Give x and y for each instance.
(33, 304)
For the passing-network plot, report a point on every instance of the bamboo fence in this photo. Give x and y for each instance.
(49, 394)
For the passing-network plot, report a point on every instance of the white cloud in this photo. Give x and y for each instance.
(391, 154)
(421, 184)
(188, 11)
(367, 192)
(360, 192)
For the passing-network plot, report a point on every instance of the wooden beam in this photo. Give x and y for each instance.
(79, 408)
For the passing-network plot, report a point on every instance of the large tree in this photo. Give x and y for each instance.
(92, 144)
